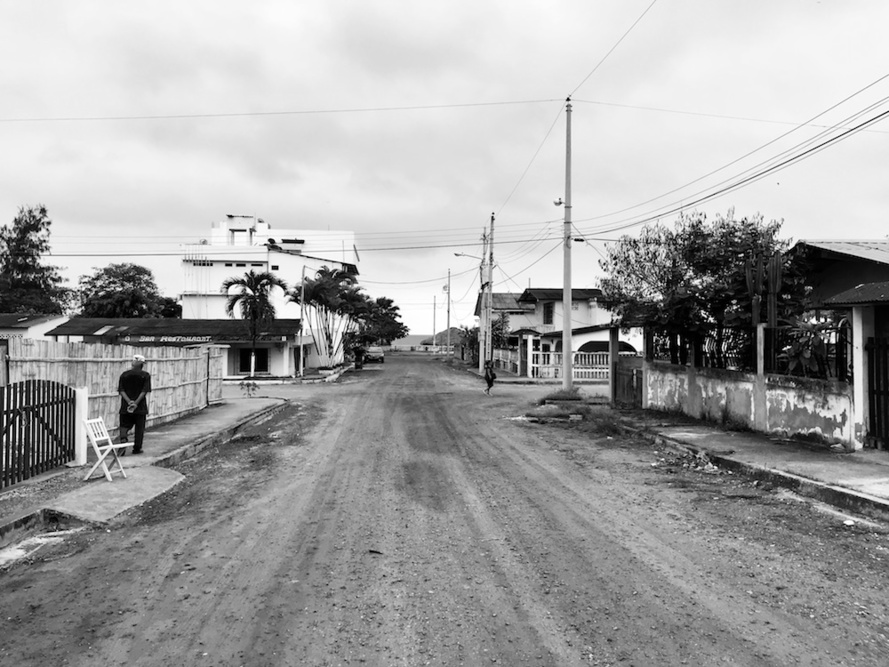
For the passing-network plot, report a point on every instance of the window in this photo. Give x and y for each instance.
(274, 267)
(256, 264)
(240, 264)
(262, 360)
(549, 309)
(229, 264)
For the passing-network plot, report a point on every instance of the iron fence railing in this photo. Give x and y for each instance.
(821, 351)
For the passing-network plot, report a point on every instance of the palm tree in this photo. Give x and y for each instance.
(252, 299)
(332, 298)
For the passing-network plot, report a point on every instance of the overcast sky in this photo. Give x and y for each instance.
(140, 123)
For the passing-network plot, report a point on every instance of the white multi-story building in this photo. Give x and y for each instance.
(240, 244)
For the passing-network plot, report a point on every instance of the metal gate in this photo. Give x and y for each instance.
(36, 429)
(878, 392)
(628, 382)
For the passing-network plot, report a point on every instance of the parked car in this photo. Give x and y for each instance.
(374, 354)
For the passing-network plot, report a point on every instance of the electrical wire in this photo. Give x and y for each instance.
(611, 50)
(740, 180)
(530, 162)
(254, 114)
(702, 114)
(759, 148)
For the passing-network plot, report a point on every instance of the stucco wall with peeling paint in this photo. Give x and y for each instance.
(815, 408)
(818, 409)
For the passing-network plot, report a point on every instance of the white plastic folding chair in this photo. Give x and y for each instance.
(103, 446)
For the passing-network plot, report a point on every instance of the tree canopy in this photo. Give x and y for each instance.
(332, 302)
(123, 290)
(27, 285)
(380, 322)
(252, 300)
(341, 315)
(252, 297)
(699, 273)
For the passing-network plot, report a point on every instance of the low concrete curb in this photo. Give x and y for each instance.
(185, 452)
(842, 498)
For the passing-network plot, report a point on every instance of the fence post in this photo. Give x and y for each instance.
(760, 410)
(81, 413)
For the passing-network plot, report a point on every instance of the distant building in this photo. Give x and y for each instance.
(536, 319)
(240, 244)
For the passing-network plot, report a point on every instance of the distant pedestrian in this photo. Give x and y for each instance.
(134, 386)
(490, 376)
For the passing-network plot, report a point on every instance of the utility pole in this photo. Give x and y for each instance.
(302, 311)
(490, 338)
(433, 323)
(483, 311)
(567, 361)
(449, 314)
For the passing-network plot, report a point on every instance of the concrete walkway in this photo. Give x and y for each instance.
(63, 496)
(856, 481)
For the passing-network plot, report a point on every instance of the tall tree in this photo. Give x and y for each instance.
(121, 290)
(696, 275)
(252, 298)
(27, 285)
(380, 322)
(333, 303)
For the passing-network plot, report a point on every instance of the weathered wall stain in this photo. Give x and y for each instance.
(794, 406)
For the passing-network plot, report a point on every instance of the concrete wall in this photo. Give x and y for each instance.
(791, 406)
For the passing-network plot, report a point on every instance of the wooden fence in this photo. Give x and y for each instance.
(183, 380)
(37, 429)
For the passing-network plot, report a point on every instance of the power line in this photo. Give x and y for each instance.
(616, 44)
(530, 162)
(253, 114)
(752, 178)
(707, 115)
(759, 148)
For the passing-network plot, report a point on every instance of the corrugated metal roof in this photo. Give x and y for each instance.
(98, 326)
(875, 250)
(866, 293)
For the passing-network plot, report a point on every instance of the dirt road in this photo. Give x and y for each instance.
(402, 517)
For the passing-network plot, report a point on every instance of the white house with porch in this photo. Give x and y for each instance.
(535, 333)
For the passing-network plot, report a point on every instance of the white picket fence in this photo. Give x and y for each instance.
(585, 365)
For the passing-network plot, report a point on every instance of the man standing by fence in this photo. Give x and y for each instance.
(134, 386)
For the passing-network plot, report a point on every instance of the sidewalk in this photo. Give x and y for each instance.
(855, 481)
(64, 496)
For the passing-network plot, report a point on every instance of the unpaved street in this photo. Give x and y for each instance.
(402, 517)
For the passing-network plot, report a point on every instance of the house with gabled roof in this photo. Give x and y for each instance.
(536, 325)
(21, 325)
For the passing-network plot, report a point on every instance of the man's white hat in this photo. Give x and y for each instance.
(139, 357)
